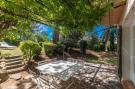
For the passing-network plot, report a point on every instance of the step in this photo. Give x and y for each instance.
(14, 62)
(16, 70)
(11, 60)
(14, 66)
(19, 56)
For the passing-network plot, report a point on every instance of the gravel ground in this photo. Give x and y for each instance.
(93, 76)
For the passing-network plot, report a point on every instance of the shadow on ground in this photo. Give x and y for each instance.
(3, 77)
(26, 84)
(97, 84)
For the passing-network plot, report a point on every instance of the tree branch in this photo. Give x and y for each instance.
(40, 3)
(21, 16)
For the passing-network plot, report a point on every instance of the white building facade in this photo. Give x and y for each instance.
(128, 42)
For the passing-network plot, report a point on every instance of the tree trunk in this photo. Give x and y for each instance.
(56, 36)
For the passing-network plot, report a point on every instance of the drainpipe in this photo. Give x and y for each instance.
(120, 53)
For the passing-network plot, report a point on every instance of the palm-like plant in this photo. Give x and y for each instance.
(109, 37)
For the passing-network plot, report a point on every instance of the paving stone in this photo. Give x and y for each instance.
(106, 78)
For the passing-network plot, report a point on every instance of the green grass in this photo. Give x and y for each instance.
(105, 60)
(13, 52)
(8, 52)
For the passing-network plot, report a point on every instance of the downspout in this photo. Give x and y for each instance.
(120, 53)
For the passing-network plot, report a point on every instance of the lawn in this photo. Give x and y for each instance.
(9, 52)
(13, 52)
(104, 60)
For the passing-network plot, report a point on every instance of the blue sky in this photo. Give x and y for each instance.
(98, 30)
(47, 29)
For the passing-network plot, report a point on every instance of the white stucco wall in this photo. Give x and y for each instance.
(126, 52)
(129, 4)
(128, 44)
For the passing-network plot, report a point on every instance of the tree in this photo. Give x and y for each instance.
(40, 37)
(93, 41)
(68, 13)
(110, 34)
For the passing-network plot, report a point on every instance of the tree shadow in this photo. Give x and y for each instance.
(3, 77)
(77, 84)
(26, 84)
(97, 84)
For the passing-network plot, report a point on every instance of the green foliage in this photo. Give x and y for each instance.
(11, 37)
(59, 48)
(83, 46)
(49, 49)
(41, 44)
(3, 55)
(71, 37)
(52, 49)
(9, 52)
(0, 55)
(69, 14)
(40, 37)
(102, 46)
(22, 31)
(104, 60)
(93, 43)
(109, 37)
(31, 50)
(68, 42)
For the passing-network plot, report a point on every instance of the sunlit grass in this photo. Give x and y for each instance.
(105, 60)
(9, 52)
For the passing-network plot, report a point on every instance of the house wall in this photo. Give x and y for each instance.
(129, 4)
(116, 14)
(128, 33)
(126, 52)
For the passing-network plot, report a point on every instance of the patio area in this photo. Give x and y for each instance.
(93, 76)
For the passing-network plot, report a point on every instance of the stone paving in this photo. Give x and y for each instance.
(93, 76)
(101, 76)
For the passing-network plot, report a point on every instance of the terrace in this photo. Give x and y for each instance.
(59, 44)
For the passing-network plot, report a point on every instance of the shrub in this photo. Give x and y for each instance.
(83, 46)
(52, 49)
(58, 48)
(93, 44)
(31, 50)
(70, 38)
(49, 49)
(102, 46)
(68, 43)
(95, 47)
(41, 44)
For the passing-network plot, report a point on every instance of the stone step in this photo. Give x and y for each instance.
(14, 62)
(11, 60)
(15, 70)
(14, 66)
(13, 57)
